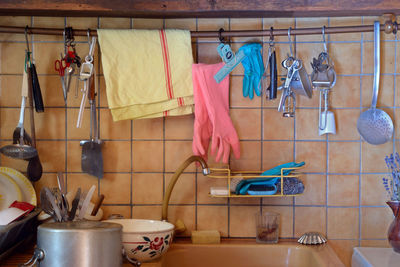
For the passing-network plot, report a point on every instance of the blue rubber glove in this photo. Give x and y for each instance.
(253, 69)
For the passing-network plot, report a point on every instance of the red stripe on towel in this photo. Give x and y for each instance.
(167, 67)
(180, 101)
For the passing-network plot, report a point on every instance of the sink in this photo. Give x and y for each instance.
(246, 252)
(374, 257)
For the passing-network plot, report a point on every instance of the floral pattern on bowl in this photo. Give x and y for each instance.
(145, 240)
(153, 247)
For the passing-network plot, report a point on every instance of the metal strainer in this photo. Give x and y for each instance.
(375, 125)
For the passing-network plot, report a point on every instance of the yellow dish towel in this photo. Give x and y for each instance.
(148, 73)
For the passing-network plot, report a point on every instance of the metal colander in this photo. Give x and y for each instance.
(375, 125)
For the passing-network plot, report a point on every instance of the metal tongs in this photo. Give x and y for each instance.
(87, 70)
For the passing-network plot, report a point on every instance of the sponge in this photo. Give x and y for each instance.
(206, 237)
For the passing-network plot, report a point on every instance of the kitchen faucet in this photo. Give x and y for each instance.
(173, 181)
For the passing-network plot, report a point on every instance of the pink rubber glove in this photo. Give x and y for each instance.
(216, 99)
(202, 125)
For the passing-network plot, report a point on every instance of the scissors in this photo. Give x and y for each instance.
(60, 66)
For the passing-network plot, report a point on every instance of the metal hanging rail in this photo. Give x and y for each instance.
(388, 27)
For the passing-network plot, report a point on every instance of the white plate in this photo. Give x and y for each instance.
(28, 192)
(9, 191)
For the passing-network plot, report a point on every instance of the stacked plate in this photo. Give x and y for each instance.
(15, 186)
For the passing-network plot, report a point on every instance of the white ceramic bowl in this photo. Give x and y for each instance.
(145, 240)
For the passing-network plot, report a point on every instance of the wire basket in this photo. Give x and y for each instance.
(226, 173)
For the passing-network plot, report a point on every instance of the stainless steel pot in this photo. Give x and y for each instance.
(78, 244)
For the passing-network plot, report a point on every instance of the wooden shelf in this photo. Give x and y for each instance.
(198, 8)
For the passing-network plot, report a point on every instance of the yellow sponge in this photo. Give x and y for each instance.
(206, 237)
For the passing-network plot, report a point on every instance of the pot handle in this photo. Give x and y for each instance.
(38, 255)
(134, 262)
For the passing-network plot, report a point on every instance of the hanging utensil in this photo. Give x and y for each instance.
(273, 69)
(323, 78)
(21, 150)
(37, 93)
(92, 158)
(375, 125)
(34, 170)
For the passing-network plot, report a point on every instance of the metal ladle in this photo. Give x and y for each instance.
(375, 125)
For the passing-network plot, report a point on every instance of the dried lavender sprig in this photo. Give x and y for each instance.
(390, 162)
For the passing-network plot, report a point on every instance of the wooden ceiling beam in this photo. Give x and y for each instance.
(198, 8)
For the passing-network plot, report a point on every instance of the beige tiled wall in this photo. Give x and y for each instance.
(344, 198)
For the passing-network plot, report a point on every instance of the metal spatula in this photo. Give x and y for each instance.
(92, 158)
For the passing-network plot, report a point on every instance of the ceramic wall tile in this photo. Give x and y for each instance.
(142, 23)
(148, 129)
(237, 100)
(278, 23)
(146, 212)
(344, 157)
(373, 157)
(109, 186)
(246, 24)
(179, 127)
(242, 221)
(276, 153)
(204, 185)
(119, 130)
(343, 190)
(277, 127)
(124, 210)
(186, 214)
(343, 223)
(375, 222)
(313, 154)
(342, 52)
(184, 24)
(310, 23)
(213, 218)
(147, 156)
(116, 156)
(285, 217)
(247, 123)
(344, 249)
(12, 64)
(387, 57)
(176, 152)
(346, 125)
(49, 124)
(372, 191)
(309, 219)
(345, 21)
(250, 154)
(147, 180)
(386, 91)
(314, 190)
(20, 21)
(345, 93)
(307, 125)
(44, 22)
(184, 190)
(115, 23)
(52, 155)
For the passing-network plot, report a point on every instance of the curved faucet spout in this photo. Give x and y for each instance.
(175, 177)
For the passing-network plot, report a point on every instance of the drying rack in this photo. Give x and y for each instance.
(390, 26)
(227, 174)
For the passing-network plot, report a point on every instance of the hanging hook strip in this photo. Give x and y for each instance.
(207, 34)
